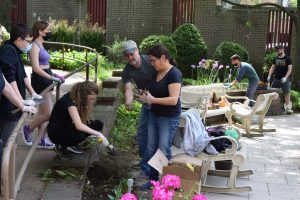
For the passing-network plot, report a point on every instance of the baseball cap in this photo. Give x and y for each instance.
(129, 47)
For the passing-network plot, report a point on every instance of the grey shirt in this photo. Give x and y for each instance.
(246, 70)
(142, 76)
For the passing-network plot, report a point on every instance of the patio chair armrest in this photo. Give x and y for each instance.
(246, 102)
(236, 103)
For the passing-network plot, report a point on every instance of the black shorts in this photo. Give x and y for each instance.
(40, 83)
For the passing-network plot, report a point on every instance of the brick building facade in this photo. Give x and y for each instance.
(136, 19)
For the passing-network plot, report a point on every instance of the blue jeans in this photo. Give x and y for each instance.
(142, 137)
(161, 131)
(251, 91)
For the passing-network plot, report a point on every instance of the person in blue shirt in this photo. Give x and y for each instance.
(245, 70)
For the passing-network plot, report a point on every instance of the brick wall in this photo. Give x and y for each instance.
(137, 19)
(56, 9)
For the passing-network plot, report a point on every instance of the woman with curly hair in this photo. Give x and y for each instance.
(70, 121)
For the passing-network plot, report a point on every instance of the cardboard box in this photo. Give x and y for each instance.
(189, 180)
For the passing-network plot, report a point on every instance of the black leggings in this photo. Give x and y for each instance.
(69, 135)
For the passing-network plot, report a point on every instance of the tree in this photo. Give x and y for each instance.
(295, 16)
(5, 9)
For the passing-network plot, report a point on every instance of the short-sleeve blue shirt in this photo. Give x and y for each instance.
(246, 70)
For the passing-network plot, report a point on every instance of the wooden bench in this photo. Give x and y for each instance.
(237, 158)
(197, 96)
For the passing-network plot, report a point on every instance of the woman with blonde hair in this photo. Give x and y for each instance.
(41, 78)
(71, 122)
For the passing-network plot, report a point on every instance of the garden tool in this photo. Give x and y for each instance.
(109, 147)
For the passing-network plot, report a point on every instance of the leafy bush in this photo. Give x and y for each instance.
(5, 34)
(62, 32)
(114, 50)
(190, 47)
(295, 98)
(226, 49)
(91, 35)
(125, 127)
(82, 32)
(152, 40)
(268, 60)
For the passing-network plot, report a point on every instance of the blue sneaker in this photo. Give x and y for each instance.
(27, 135)
(45, 143)
(146, 186)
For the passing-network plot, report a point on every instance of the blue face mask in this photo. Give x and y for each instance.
(27, 48)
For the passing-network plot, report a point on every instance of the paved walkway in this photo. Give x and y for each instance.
(275, 159)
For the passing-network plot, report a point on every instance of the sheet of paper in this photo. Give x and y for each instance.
(158, 161)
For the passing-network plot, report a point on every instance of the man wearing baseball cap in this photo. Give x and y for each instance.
(138, 73)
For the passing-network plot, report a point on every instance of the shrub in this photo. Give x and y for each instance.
(82, 32)
(190, 47)
(152, 40)
(295, 98)
(114, 51)
(268, 60)
(91, 35)
(62, 32)
(226, 49)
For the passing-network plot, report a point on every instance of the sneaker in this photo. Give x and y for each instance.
(27, 135)
(146, 186)
(75, 149)
(289, 111)
(45, 144)
(63, 153)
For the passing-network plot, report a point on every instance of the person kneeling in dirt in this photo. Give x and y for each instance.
(70, 122)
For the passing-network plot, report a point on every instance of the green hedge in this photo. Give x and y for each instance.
(190, 46)
(152, 40)
(226, 49)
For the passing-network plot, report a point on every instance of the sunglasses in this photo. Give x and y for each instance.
(28, 41)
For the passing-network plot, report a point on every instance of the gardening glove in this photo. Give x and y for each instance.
(36, 96)
(62, 78)
(269, 79)
(29, 102)
(29, 109)
(146, 98)
(53, 78)
(227, 86)
(283, 80)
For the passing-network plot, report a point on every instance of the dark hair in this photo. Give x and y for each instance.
(159, 50)
(279, 47)
(38, 26)
(235, 57)
(19, 30)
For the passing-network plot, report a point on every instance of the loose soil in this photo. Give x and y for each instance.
(107, 172)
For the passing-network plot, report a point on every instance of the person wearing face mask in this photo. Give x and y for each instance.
(41, 78)
(245, 70)
(14, 72)
(138, 73)
(282, 70)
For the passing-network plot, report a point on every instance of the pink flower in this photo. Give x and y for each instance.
(128, 196)
(221, 66)
(193, 66)
(199, 197)
(227, 66)
(171, 181)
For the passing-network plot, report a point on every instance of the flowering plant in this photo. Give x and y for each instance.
(164, 190)
(211, 71)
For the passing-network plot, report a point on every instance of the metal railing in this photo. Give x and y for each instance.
(10, 184)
